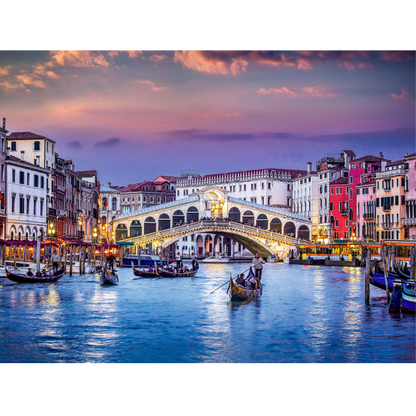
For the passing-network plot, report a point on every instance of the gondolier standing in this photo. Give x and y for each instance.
(258, 266)
(178, 259)
(193, 259)
(55, 261)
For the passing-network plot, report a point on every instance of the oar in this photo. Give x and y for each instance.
(91, 274)
(229, 281)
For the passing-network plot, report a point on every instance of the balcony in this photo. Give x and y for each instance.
(60, 188)
(390, 173)
(80, 235)
(52, 212)
(343, 211)
(369, 216)
(386, 208)
(409, 221)
(386, 225)
(61, 213)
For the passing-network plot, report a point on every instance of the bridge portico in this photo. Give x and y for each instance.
(207, 204)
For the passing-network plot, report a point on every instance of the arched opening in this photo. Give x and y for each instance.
(41, 233)
(248, 218)
(303, 232)
(208, 246)
(262, 222)
(121, 232)
(178, 218)
(114, 204)
(105, 203)
(135, 228)
(234, 214)
(192, 214)
(289, 229)
(276, 225)
(149, 225)
(164, 222)
(103, 220)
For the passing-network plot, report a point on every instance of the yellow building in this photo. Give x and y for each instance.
(390, 202)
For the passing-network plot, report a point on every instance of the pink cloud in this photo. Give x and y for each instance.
(318, 92)
(404, 96)
(197, 60)
(365, 65)
(31, 79)
(283, 90)
(5, 70)
(134, 54)
(397, 56)
(157, 58)
(8, 87)
(347, 65)
(151, 84)
(113, 54)
(216, 113)
(304, 64)
(80, 59)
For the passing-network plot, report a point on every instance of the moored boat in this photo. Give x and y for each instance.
(409, 297)
(378, 280)
(45, 277)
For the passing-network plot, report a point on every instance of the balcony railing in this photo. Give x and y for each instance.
(409, 221)
(369, 216)
(386, 208)
(386, 225)
(343, 211)
(80, 234)
(61, 213)
(389, 173)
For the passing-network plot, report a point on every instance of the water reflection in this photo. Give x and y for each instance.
(306, 314)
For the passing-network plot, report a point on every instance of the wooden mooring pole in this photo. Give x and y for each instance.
(412, 263)
(367, 275)
(70, 259)
(386, 272)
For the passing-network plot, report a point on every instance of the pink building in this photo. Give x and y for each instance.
(409, 221)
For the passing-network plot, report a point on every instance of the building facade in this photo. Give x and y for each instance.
(3, 146)
(366, 210)
(271, 187)
(409, 221)
(339, 208)
(26, 199)
(390, 202)
(109, 209)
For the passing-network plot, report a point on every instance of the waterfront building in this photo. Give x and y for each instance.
(39, 150)
(26, 199)
(362, 166)
(390, 202)
(338, 208)
(109, 209)
(88, 209)
(59, 181)
(311, 192)
(72, 201)
(271, 187)
(366, 209)
(3, 145)
(409, 221)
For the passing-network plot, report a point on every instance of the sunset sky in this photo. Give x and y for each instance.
(134, 115)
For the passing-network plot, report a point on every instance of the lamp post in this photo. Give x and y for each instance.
(51, 229)
(95, 234)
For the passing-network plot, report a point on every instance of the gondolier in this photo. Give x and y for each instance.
(55, 261)
(258, 266)
(178, 259)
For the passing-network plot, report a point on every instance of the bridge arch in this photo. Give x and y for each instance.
(164, 222)
(178, 218)
(276, 225)
(121, 232)
(135, 228)
(248, 218)
(289, 229)
(192, 214)
(262, 222)
(234, 214)
(149, 225)
(303, 232)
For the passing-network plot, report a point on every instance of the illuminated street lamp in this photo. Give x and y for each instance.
(95, 234)
(51, 229)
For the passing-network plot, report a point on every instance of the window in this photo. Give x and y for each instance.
(269, 186)
(397, 199)
(331, 206)
(351, 179)
(34, 205)
(41, 207)
(22, 178)
(244, 187)
(36, 181)
(346, 223)
(397, 182)
(332, 191)
(13, 175)
(144, 199)
(27, 205)
(28, 178)
(13, 201)
(358, 209)
(36, 145)
(336, 223)
(2, 171)
(358, 191)
(262, 185)
(151, 199)
(21, 205)
(13, 146)
(336, 191)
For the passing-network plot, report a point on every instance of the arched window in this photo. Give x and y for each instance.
(262, 222)
(135, 228)
(164, 222)
(303, 232)
(178, 218)
(276, 225)
(114, 204)
(192, 214)
(234, 214)
(248, 218)
(149, 225)
(104, 203)
(289, 229)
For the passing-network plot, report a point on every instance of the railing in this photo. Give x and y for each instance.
(369, 215)
(409, 221)
(386, 225)
(60, 188)
(61, 213)
(389, 173)
(343, 211)
(80, 234)
(386, 208)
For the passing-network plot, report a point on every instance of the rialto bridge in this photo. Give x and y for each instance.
(259, 228)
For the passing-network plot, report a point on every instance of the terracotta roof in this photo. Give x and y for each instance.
(26, 135)
(411, 156)
(368, 183)
(397, 162)
(86, 172)
(168, 178)
(31, 165)
(370, 158)
(349, 152)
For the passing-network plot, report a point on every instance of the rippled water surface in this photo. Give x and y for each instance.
(306, 314)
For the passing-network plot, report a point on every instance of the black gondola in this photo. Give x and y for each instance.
(166, 273)
(108, 277)
(43, 278)
(145, 273)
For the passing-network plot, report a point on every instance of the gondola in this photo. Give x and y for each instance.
(166, 273)
(409, 297)
(401, 272)
(145, 273)
(378, 280)
(24, 278)
(242, 293)
(108, 277)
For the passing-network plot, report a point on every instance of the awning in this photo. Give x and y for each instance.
(125, 243)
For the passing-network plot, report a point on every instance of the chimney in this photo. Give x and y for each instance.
(109, 184)
(4, 123)
(381, 155)
(22, 155)
(309, 164)
(8, 152)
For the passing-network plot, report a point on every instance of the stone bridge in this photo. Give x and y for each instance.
(248, 221)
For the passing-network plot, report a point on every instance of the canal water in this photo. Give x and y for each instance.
(307, 314)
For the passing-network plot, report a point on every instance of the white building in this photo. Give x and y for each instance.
(3, 142)
(109, 209)
(26, 199)
(272, 187)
